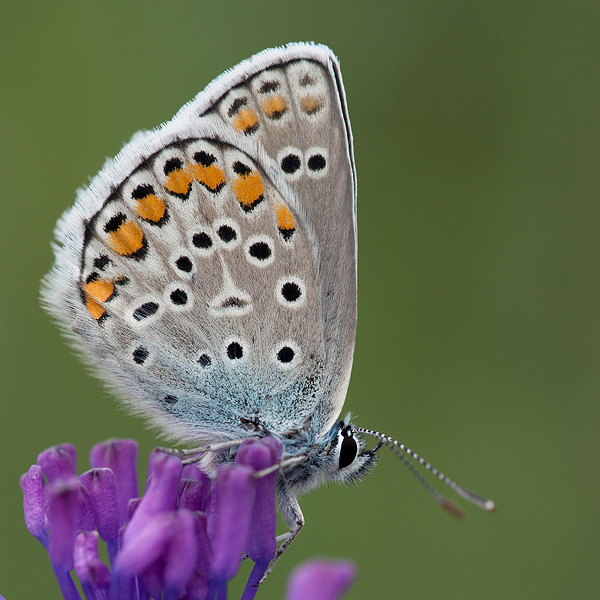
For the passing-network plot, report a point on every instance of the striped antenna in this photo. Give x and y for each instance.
(402, 452)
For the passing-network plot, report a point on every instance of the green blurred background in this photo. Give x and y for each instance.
(477, 137)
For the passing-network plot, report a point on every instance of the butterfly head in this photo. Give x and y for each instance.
(340, 457)
(351, 461)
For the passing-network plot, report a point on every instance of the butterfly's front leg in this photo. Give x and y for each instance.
(194, 455)
(290, 511)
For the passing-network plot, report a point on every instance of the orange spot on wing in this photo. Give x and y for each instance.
(246, 120)
(127, 239)
(96, 310)
(274, 106)
(100, 290)
(248, 189)
(179, 181)
(284, 217)
(311, 104)
(212, 176)
(152, 208)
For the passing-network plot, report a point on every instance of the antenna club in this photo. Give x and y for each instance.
(452, 508)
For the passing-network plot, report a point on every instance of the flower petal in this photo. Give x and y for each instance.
(120, 457)
(194, 473)
(192, 494)
(260, 454)
(32, 484)
(85, 513)
(62, 499)
(180, 558)
(232, 498)
(88, 566)
(132, 507)
(161, 494)
(197, 588)
(204, 556)
(320, 580)
(58, 462)
(147, 545)
(101, 486)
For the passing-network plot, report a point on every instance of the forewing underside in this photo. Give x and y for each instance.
(296, 111)
(217, 282)
(199, 285)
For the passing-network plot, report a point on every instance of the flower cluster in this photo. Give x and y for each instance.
(184, 539)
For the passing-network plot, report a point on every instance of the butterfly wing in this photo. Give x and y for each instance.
(293, 104)
(191, 272)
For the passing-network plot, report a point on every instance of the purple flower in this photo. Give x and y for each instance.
(184, 539)
(320, 580)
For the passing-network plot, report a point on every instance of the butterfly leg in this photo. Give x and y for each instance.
(290, 511)
(193, 455)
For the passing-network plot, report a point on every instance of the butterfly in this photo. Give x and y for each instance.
(208, 273)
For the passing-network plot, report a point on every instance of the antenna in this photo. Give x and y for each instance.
(400, 450)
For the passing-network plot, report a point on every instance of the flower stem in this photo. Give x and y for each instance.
(65, 582)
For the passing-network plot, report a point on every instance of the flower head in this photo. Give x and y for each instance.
(183, 539)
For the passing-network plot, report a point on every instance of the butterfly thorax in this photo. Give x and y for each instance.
(335, 456)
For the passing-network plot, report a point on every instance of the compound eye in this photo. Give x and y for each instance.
(349, 448)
